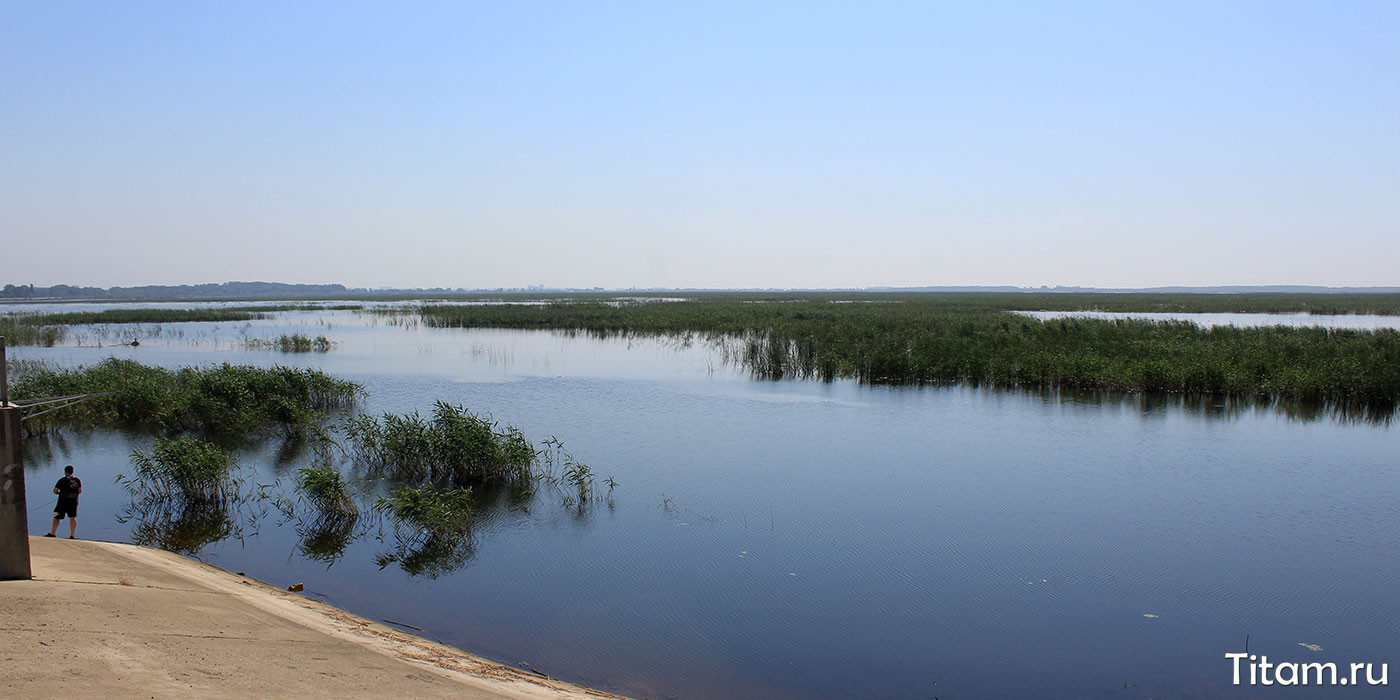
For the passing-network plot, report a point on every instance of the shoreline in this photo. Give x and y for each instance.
(105, 619)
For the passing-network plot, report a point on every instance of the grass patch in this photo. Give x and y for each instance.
(183, 495)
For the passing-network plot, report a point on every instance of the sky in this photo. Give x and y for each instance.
(750, 144)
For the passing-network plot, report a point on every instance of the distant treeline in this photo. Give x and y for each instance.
(227, 290)
(971, 339)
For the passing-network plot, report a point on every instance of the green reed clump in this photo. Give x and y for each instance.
(454, 447)
(435, 511)
(225, 400)
(432, 529)
(291, 343)
(326, 490)
(335, 520)
(184, 470)
(947, 338)
(558, 467)
(17, 330)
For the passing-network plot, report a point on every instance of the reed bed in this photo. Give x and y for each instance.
(454, 448)
(290, 343)
(938, 339)
(223, 400)
(186, 470)
(73, 318)
(17, 329)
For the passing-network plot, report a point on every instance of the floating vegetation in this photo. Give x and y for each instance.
(940, 339)
(454, 448)
(225, 400)
(290, 343)
(432, 529)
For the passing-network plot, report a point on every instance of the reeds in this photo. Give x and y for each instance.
(18, 330)
(71, 318)
(454, 448)
(935, 339)
(326, 491)
(226, 400)
(184, 470)
(432, 529)
(291, 343)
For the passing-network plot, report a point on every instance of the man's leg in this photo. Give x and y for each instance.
(72, 528)
(54, 530)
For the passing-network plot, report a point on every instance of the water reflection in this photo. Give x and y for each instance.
(180, 527)
(427, 554)
(325, 536)
(1210, 407)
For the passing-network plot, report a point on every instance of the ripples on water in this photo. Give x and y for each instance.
(807, 540)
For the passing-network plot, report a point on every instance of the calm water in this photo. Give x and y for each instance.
(808, 540)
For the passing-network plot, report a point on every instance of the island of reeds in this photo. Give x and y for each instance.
(290, 343)
(973, 339)
(224, 400)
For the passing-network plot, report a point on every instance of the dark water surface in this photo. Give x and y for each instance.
(808, 540)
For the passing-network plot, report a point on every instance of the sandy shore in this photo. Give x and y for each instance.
(104, 620)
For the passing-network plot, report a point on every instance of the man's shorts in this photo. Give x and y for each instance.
(69, 508)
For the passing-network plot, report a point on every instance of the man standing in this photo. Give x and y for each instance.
(67, 489)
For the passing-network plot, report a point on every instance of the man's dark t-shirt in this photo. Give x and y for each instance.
(68, 488)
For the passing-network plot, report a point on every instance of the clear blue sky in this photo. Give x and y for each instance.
(715, 145)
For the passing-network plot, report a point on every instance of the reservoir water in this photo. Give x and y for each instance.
(827, 540)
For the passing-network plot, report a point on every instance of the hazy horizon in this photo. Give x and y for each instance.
(435, 144)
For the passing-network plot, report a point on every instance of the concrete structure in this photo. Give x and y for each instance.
(14, 515)
(102, 620)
